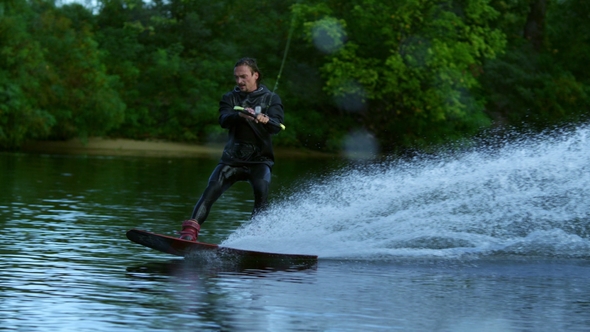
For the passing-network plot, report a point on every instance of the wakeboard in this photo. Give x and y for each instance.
(175, 246)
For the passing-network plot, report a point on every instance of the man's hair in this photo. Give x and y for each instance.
(250, 62)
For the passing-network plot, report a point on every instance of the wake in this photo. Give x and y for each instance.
(526, 197)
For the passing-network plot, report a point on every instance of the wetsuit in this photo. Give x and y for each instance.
(248, 154)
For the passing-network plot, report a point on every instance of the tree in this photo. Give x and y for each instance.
(407, 69)
(535, 24)
(52, 82)
(21, 62)
(77, 90)
(539, 81)
(568, 35)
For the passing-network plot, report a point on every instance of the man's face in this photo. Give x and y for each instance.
(245, 79)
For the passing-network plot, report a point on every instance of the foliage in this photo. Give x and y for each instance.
(409, 73)
(21, 60)
(76, 89)
(53, 82)
(541, 88)
(569, 37)
(409, 66)
(529, 90)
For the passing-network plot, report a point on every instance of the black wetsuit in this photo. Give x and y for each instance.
(248, 154)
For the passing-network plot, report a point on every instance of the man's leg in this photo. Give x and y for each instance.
(222, 178)
(260, 176)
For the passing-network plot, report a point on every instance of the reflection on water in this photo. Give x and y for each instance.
(482, 241)
(66, 263)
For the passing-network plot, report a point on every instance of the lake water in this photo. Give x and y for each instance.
(491, 239)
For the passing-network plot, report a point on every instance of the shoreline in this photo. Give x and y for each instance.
(127, 147)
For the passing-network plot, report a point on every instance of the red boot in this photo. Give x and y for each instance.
(190, 230)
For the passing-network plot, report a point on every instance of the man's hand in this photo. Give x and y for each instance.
(246, 116)
(262, 118)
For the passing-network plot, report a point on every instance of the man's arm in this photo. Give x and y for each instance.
(276, 113)
(227, 116)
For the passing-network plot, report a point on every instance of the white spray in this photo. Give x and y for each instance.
(529, 197)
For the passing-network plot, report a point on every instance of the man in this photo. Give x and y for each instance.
(248, 154)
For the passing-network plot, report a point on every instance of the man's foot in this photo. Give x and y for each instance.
(190, 230)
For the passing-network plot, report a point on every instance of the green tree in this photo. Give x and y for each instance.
(77, 90)
(171, 91)
(406, 70)
(410, 72)
(539, 81)
(175, 59)
(21, 63)
(52, 81)
(569, 36)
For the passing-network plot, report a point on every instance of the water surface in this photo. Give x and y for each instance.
(489, 240)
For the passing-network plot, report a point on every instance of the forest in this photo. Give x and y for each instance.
(393, 74)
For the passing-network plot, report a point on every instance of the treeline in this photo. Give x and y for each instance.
(404, 74)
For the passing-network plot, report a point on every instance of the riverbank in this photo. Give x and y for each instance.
(127, 147)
